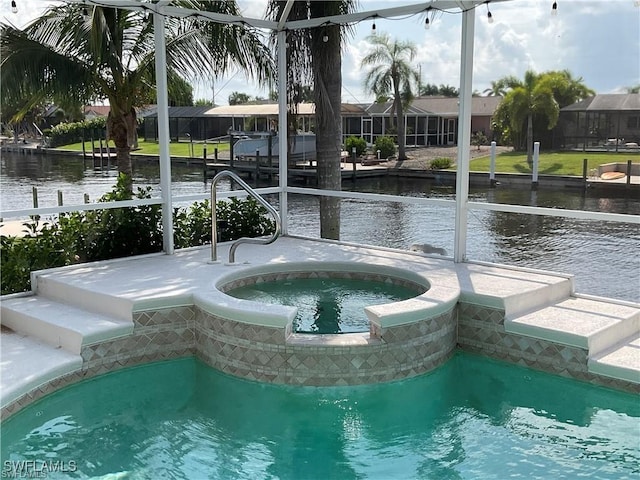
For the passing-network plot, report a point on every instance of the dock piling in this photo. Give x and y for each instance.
(492, 165)
(536, 159)
(204, 163)
(353, 163)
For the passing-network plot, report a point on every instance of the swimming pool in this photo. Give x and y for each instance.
(471, 418)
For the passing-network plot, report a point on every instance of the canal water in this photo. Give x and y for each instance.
(603, 256)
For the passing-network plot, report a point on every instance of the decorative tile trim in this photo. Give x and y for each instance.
(157, 335)
(279, 276)
(259, 354)
(87, 372)
(481, 331)
(262, 353)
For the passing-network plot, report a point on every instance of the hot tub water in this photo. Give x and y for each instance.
(326, 305)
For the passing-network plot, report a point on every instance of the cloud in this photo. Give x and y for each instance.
(598, 40)
(28, 10)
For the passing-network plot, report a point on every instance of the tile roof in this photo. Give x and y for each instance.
(606, 102)
(441, 106)
(271, 109)
(184, 112)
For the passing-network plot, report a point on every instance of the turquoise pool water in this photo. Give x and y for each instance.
(472, 418)
(329, 305)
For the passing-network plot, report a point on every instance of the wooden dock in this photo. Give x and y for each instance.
(299, 172)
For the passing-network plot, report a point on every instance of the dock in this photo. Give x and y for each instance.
(299, 171)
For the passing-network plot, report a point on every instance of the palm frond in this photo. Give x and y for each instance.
(30, 68)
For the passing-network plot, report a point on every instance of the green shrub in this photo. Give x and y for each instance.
(242, 218)
(41, 248)
(116, 232)
(440, 163)
(74, 132)
(235, 217)
(359, 143)
(386, 146)
(192, 225)
(478, 139)
(121, 232)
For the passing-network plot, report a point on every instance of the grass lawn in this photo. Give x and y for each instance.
(182, 149)
(552, 163)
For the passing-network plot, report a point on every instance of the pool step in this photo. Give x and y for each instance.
(515, 291)
(621, 361)
(61, 285)
(595, 325)
(59, 324)
(26, 363)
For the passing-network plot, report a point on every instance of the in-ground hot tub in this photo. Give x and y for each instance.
(258, 340)
(326, 302)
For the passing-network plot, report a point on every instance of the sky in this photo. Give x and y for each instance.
(597, 40)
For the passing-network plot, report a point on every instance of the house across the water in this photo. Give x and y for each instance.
(610, 122)
(429, 120)
(605, 122)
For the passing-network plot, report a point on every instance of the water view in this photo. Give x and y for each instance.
(602, 255)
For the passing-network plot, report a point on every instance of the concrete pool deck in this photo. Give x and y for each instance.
(88, 319)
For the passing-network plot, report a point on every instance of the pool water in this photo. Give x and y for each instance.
(327, 305)
(473, 418)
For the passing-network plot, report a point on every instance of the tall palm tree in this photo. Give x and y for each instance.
(533, 96)
(110, 54)
(567, 89)
(497, 89)
(314, 56)
(391, 72)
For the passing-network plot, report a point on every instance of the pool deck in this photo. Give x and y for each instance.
(44, 332)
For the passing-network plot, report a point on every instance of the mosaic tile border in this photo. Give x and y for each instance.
(262, 353)
(330, 274)
(258, 353)
(481, 331)
(159, 335)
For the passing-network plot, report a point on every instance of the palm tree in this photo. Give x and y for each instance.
(239, 98)
(391, 73)
(497, 89)
(567, 90)
(314, 58)
(110, 54)
(449, 91)
(533, 96)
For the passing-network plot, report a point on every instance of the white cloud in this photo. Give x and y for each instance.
(598, 40)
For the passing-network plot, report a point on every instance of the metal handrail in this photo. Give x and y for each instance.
(214, 227)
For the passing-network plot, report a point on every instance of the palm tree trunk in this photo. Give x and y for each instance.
(530, 139)
(328, 92)
(120, 128)
(402, 155)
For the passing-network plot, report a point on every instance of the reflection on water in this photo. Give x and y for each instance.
(326, 305)
(472, 418)
(326, 318)
(602, 255)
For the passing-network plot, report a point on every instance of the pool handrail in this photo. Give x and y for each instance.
(214, 226)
